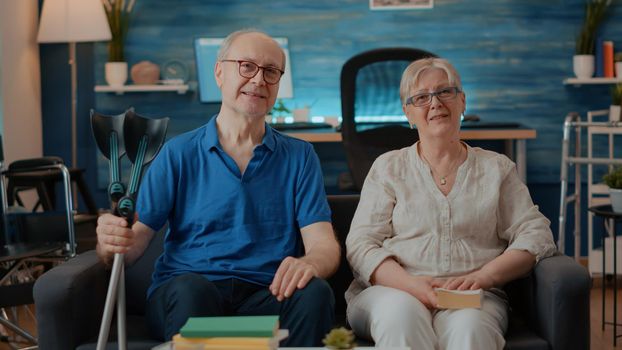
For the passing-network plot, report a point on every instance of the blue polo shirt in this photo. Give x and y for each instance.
(223, 224)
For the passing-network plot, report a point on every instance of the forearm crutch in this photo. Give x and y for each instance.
(141, 139)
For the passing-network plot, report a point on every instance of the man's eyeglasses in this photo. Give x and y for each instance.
(424, 99)
(248, 69)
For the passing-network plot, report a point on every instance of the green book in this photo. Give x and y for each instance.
(230, 326)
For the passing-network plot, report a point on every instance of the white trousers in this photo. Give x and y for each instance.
(394, 318)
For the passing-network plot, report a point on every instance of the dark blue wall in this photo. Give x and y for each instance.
(512, 55)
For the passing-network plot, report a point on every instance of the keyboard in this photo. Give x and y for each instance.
(299, 126)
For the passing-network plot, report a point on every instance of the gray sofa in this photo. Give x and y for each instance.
(549, 308)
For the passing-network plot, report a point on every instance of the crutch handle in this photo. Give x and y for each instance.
(127, 208)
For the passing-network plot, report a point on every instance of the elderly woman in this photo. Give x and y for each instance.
(439, 214)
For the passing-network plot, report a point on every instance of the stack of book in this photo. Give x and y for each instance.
(230, 333)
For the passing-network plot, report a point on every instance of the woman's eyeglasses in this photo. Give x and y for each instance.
(425, 98)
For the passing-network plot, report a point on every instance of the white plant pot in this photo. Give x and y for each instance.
(614, 113)
(618, 69)
(616, 199)
(116, 73)
(583, 66)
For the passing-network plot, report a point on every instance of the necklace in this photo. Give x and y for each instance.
(443, 179)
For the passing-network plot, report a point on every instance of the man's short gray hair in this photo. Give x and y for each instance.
(411, 74)
(223, 51)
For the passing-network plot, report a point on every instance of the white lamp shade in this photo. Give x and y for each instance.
(64, 21)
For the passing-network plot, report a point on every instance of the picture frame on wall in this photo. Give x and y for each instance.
(400, 4)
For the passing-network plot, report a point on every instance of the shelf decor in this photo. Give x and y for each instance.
(118, 13)
(145, 73)
(583, 60)
(174, 71)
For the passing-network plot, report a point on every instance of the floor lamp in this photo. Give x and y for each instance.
(73, 21)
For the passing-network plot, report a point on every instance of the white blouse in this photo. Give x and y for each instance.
(402, 214)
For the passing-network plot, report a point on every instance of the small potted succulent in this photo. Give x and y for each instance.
(614, 180)
(339, 339)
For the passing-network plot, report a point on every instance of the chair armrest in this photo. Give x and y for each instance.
(562, 302)
(69, 301)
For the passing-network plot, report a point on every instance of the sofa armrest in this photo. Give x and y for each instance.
(69, 301)
(562, 302)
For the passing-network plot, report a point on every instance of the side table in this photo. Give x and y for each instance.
(607, 213)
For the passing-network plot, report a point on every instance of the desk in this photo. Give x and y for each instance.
(607, 213)
(515, 145)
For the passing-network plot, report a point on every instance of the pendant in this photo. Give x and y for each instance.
(443, 181)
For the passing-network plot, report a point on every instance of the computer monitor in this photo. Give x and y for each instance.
(206, 50)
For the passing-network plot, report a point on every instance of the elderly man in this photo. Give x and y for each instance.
(249, 228)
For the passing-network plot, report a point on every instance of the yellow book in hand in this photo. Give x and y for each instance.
(458, 299)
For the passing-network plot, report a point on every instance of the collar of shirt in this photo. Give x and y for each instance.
(212, 142)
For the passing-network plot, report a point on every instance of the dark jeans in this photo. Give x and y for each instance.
(308, 313)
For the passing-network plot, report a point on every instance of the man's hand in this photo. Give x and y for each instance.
(113, 236)
(474, 280)
(292, 274)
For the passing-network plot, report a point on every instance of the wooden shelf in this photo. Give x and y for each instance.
(592, 81)
(119, 90)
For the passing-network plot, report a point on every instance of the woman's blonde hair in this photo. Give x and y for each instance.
(410, 77)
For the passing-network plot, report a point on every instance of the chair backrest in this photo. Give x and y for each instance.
(342, 208)
(36, 229)
(370, 88)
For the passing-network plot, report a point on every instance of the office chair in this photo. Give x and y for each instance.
(370, 88)
(30, 243)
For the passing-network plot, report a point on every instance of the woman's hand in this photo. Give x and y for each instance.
(474, 280)
(422, 288)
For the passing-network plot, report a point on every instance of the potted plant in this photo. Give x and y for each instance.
(339, 339)
(583, 60)
(616, 101)
(280, 111)
(118, 13)
(614, 180)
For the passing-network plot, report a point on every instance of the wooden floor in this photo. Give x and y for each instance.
(604, 339)
(600, 340)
